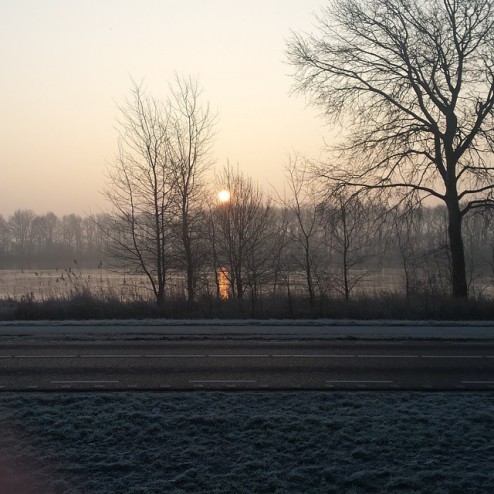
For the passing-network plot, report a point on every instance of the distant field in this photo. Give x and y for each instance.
(247, 442)
(55, 283)
(52, 283)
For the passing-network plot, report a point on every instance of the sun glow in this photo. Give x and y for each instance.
(223, 196)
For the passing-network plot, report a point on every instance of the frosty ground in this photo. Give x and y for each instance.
(247, 442)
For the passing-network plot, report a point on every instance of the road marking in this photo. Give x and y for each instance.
(110, 356)
(452, 356)
(218, 381)
(388, 356)
(44, 356)
(477, 382)
(360, 382)
(308, 355)
(69, 383)
(238, 356)
(175, 356)
(312, 355)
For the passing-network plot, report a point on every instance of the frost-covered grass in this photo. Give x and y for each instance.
(247, 442)
(86, 304)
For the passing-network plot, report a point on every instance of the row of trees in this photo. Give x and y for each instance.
(254, 245)
(49, 241)
(411, 84)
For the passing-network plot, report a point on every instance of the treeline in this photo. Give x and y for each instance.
(29, 240)
(249, 248)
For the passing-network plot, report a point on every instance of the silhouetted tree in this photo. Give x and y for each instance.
(140, 185)
(302, 202)
(241, 232)
(20, 232)
(191, 131)
(352, 229)
(413, 81)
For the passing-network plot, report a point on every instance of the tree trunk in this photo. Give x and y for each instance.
(459, 279)
(190, 267)
(160, 295)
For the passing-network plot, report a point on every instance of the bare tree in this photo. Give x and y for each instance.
(413, 81)
(191, 132)
(140, 184)
(241, 227)
(20, 232)
(352, 226)
(303, 206)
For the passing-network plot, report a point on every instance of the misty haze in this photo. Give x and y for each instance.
(247, 246)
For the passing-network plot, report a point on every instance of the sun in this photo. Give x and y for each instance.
(224, 195)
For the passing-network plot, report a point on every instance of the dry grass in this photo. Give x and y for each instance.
(86, 304)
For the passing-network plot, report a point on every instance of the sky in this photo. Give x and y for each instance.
(67, 64)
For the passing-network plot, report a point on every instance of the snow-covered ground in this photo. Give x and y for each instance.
(247, 442)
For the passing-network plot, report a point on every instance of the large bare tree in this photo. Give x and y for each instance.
(412, 81)
(191, 132)
(140, 184)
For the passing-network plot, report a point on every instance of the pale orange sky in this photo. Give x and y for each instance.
(67, 63)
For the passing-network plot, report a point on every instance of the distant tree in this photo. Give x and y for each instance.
(20, 232)
(71, 229)
(413, 81)
(241, 229)
(302, 202)
(4, 239)
(352, 230)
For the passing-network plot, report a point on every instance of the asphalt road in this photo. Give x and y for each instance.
(214, 364)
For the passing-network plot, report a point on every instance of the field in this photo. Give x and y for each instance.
(247, 442)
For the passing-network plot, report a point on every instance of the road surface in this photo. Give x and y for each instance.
(241, 364)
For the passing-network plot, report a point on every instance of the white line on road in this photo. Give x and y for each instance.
(309, 355)
(359, 382)
(237, 356)
(110, 356)
(452, 356)
(477, 382)
(388, 356)
(212, 381)
(84, 382)
(44, 356)
(175, 356)
(312, 355)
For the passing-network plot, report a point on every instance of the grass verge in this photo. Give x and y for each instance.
(88, 305)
